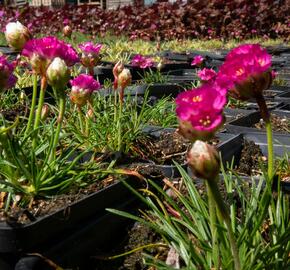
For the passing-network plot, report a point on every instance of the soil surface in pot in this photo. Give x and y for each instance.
(252, 158)
(11, 113)
(164, 149)
(279, 124)
(40, 206)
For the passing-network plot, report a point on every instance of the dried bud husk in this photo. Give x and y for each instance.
(44, 112)
(204, 161)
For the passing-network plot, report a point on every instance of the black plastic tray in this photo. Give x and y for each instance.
(227, 153)
(18, 237)
(245, 123)
(284, 97)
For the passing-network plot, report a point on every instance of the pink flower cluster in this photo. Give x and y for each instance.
(247, 71)
(197, 60)
(82, 88)
(90, 54)
(42, 51)
(142, 61)
(206, 74)
(90, 48)
(7, 79)
(245, 74)
(200, 111)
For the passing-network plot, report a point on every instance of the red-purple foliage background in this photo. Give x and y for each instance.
(197, 19)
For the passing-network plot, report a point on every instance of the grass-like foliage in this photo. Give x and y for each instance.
(259, 220)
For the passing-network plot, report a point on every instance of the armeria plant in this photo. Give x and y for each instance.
(256, 226)
(33, 162)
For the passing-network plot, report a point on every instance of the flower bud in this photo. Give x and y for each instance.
(203, 160)
(159, 66)
(118, 68)
(124, 78)
(67, 31)
(17, 35)
(44, 112)
(58, 73)
(90, 114)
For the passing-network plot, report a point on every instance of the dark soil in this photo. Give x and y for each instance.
(166, 148)
(279, 124)
(162, 150)
(251, 157)
(11, 113)
(43, 206)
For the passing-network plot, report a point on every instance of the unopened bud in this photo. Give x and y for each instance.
(159, 66)
(118, 68)
(124, 78)
(203, 160)
(67, 31)
(17, 35)
(44, 112)
(90, 114)
(22, 96)
(58, 73)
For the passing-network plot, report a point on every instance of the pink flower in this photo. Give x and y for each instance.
(197, 60)
(142, 61)
(82, 88)
(247, 70)
(42, 51)
(7, 79)
(90, 53)
(90, 48)
(200, 111)
(206, 74)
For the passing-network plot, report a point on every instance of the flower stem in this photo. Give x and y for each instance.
(80, 113)
(212, 216)
(39, 110)
(58, 128)
(119, 123)
(215, 193)
(266, 117)
(33, 104)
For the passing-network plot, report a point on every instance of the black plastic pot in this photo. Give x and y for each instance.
(8, 51)
(232, 114)
(171, 171)
(283, 88)
(233, 149)
(99, 233)
(245, 123)
(271, 104)
(284, 108)
(15, 238)
(284, 97)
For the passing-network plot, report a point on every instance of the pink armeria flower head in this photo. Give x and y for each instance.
(206, 74)
(200, 111)
(90, 53)
(248, 68)
(42, 51)
(197, 60)
(142, 61)
(7, 79)
(82, 88)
